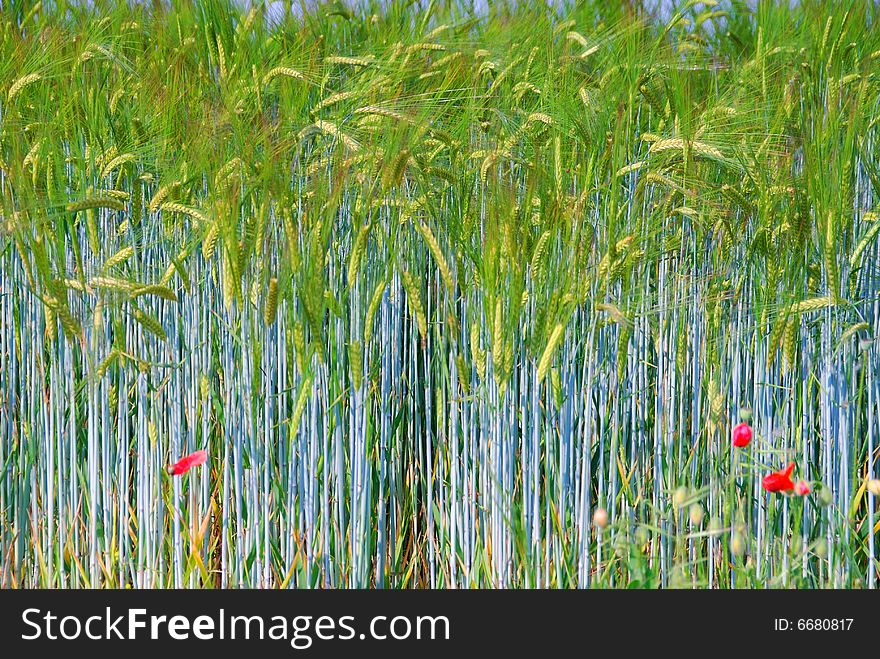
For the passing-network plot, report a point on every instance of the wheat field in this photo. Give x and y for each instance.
(450, 299)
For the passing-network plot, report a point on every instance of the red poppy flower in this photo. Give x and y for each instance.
(187, 462)
(802, 488)
(742, 435)
(779, 481)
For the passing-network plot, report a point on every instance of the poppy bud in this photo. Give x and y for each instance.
(679, 497)
(826, 497)
(737, 544)
(696, 514)
(742, 435)
(801, 488)
(600, 518)
(873, 486)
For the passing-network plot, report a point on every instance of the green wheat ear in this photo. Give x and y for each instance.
(271, 308)
(414, 300)
(547, 356)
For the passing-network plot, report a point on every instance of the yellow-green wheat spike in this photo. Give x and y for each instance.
(622, 347)
(813, 304)
(373, 307)
(478, 355)
(209, 242)
(160, 196)
(98, 201)
(155, 289)
(862, 245)
(414, 298)
(285, 71)
(112, 283)
(356, 363)
(118, 258)
(20, 84)
(437, 253)
(271, 309)
(150, 323)
(302, 398)
(195, 213)
(549, 350)
(357, 253)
